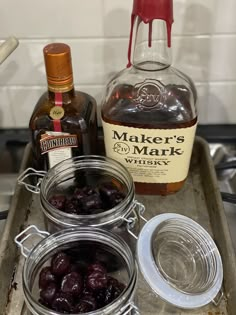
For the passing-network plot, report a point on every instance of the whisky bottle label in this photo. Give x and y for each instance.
(58, 146)
(151, 155)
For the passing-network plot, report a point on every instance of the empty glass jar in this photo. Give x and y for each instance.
(180, 261)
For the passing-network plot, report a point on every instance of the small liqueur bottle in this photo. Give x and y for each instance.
(148, 114)
(64, 122)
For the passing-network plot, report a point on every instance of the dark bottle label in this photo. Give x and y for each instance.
(58, 146)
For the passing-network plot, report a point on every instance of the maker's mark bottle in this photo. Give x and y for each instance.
(63, 123)
(149, 116)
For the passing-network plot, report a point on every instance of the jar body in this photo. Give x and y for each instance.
(180, 265)
(90, 170)
(71, 239)
(118, 227)
(132, 312)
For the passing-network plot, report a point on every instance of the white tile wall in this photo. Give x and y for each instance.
(204, 47)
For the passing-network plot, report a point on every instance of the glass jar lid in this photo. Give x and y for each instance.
(180, 261)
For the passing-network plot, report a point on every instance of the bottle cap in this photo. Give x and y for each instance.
(57, 57)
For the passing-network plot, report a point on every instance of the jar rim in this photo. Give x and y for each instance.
(154, 276)
(86, 234)
(82, 162)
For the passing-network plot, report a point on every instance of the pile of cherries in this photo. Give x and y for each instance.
(71, 286)
(88, 200)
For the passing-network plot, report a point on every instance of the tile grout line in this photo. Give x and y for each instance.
(39, 87)
(124, 37)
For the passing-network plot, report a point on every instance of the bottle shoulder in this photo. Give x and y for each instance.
(78, 109)
(150, 96)
(79, 101)
(168, 75)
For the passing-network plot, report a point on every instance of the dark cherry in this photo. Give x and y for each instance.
(89, 299)
(88, 190)
(112, 281)
(111, 293)
(97, 267)
(113, 290)
(108, 189)
(47, 294)
(86, 304)
(77, 281)
(115, 283)
(91, 202)
(100, 297)
(63, 303)
(60, 264)
(86, 290)
(71, 206)
(72, 283)
(96, 280)
(58, 201)
(82, 307)
(79, 194)
(115, 199)
(87, 199)
(110, 194)
(45, 277)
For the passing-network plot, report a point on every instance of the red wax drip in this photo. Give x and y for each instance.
(150, 34)
(168, 27)
(133, 17)
(147, 11)
(57, 122)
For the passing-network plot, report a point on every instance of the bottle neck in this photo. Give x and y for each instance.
(63, 92)
(152, 50)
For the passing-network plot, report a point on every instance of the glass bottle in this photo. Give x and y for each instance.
(149, 116)
(64, 122)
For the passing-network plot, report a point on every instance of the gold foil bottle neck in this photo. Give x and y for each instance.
(57, 57)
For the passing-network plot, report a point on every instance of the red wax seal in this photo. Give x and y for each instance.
(149, 10)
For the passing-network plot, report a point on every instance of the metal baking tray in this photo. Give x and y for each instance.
(199, 199)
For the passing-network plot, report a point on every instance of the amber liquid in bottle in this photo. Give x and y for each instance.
(121, 110)
(148, 114)
(64, 121)
(79, 119)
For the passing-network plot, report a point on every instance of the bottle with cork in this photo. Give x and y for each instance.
(64, 121)
(149, 112)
